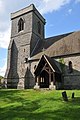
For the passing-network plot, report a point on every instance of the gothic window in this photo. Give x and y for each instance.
(20, 25)
(39, 27)
(70, 67)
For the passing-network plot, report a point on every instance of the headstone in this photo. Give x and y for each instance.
(64, 95)
(72, 95)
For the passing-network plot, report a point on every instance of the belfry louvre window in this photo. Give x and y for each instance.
(39, 27)
(20, 25)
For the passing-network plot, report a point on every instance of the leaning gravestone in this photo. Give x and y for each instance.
(64, 95)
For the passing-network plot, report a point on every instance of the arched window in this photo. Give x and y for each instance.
(39, 27)
(20, 25)
(70, 67)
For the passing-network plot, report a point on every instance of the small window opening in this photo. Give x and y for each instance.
(20, 25)
(39, 27)
(24, 50)
(70, 67)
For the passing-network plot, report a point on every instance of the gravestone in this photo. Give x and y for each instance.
(72, 95)
(64, 95)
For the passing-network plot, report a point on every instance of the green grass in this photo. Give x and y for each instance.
(38, 105)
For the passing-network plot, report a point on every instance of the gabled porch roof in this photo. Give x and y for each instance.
(50, 62)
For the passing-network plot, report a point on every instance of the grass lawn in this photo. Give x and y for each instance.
(38, 105)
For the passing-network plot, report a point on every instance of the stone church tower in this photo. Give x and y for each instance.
(39, 62)
(27, 30)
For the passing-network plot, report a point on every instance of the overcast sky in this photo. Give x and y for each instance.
(62, 16)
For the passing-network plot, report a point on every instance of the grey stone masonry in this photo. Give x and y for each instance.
(21, 46)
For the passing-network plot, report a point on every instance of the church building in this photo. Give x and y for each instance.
(38, 62)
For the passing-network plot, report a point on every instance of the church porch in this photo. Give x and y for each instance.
(47, 76)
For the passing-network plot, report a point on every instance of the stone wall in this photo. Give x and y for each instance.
(71, 80)
(27, 24)
(30, 78)
(36, 19)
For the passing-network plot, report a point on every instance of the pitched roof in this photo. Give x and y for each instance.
(51, 62)
(46, 43)
(59, 45)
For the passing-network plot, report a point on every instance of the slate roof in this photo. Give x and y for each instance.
(65, 44)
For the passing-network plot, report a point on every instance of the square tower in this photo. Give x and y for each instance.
(27, 29)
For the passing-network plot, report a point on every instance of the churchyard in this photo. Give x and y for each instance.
(39, 105)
